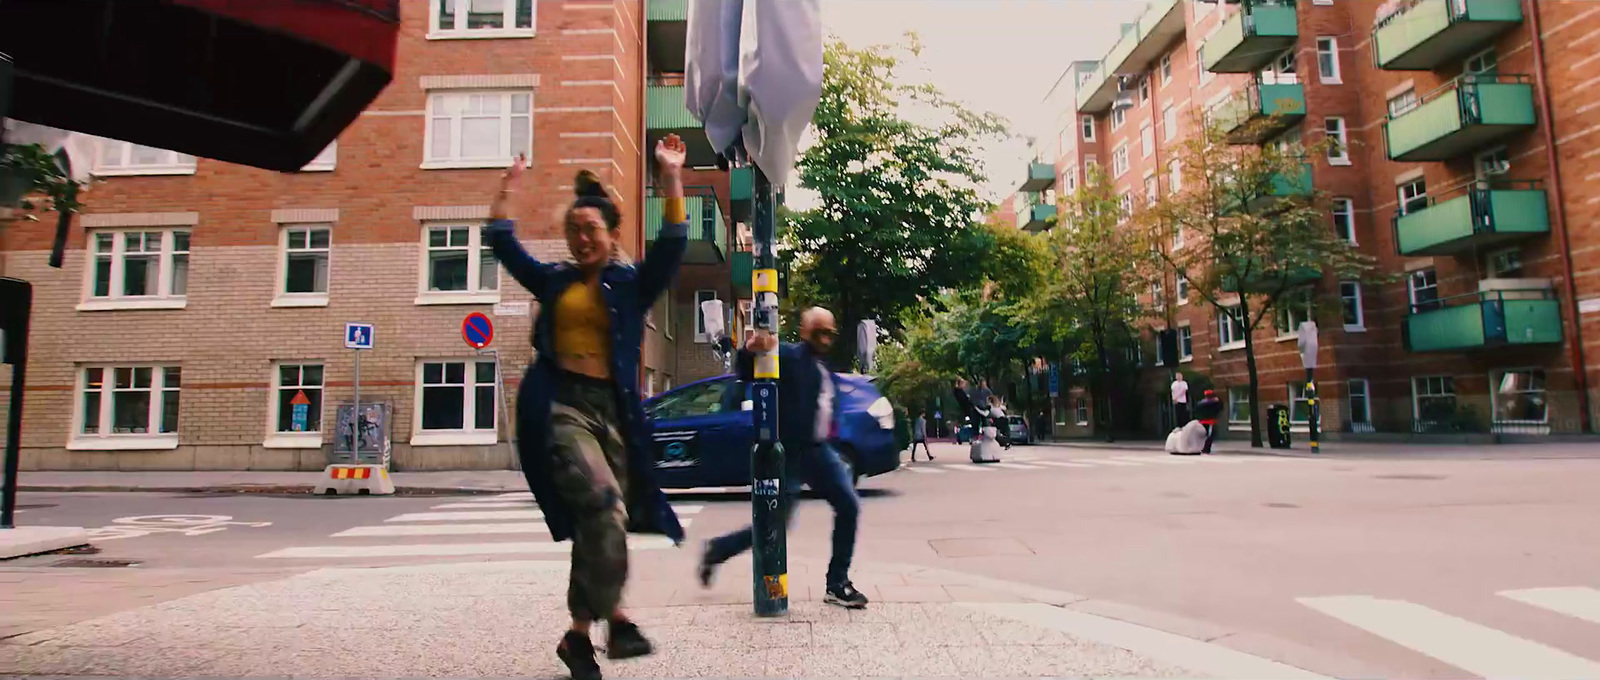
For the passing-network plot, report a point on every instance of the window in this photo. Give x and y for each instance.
(1492, 164)
(1147, 138)
(139, 269)
(296, 406)
(1199, 64)
(127, 407)
(1152, 190)
(1285, 70)
(116, 157)
(1126, 204)
(1339, 149)
(1322, 2)
(1183, 281)
(1169, 123)
(1299, 403)
(1359, 394)
(1485, 63)
(1157, 294)
(325, 161)
(1413, 196)
(1328, 60)
(480, 18)
(1354, 313)
(1433, 401)
(1176, 171)
(1230, 328)
(478, 129)
(1185, 344)
(1403, 102)
(1166, 69)
(699, 316)
(1519, 397)
(649, 385)
(1504, 263)
(1344, 219)
(305, 266)
(456, 402)
(1069, 182)
(1239, 405)
(702, 399)
(1081, 411)
(1088, 127)
(1119, 161)
(1144, 91)
(1118, 117)
(1089, 166)
(458, 268)
(1291, 313)
(1424, 287)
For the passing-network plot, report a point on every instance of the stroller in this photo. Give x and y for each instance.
(985, 447)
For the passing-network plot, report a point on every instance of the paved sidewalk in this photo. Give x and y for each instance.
(1299, 447)
(467, 481)
(502, 619)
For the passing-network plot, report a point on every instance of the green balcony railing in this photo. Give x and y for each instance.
(708, 230)
(1481, 216)
(1264, 111)
(1041, 176)
(1485, 320)
(1037, 217)
(667, 27)
(1426, 34)
(1254, 36)
(1289, 185)
(741, 188)
(1468, 113)
(664, 107)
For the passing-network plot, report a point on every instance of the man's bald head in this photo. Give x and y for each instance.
(818, 329)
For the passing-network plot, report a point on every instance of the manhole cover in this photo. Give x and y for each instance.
(88, 563)
(1416, 478)
(1281, 505)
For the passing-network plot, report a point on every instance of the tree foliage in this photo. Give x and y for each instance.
(896, 223)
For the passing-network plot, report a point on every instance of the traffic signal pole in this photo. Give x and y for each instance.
(770, 568)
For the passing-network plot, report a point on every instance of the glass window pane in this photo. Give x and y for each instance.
(289, 376)
(306, 273)
(180, 274)
(91, 411)
(483, 373)
(455, 373)
(483, 407)
(486, 13)
(104, 243)
(488, 270)
(443, 408)
(439, 146)
(432, 374)
(524, 13)
(319, 238)
(311, 376)
(140, 275)
(460, 237)
(130, 412)
(102, 277)
(169, 411)
(304, 417)
(180, 241)
(297, 239)
(447, 15)
(438, 238)
(447, 270)
(480, 138)
(521, 131)
(174, 376)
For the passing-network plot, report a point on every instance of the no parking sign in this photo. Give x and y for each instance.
(477, 330)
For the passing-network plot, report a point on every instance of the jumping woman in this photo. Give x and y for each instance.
(583, 439)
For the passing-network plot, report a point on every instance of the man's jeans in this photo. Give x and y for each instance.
(819, 466)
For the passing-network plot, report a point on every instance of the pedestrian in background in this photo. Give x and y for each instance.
(919, 435)
(1207, 412)
(584, 440)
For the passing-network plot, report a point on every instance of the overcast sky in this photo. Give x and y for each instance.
(995, 55)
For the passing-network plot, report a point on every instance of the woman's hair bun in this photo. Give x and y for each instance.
(588, 184)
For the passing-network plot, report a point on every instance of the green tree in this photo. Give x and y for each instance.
(897, 217)
(1256, 235)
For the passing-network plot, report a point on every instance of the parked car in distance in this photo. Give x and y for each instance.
(703, 432)
(1017, 430)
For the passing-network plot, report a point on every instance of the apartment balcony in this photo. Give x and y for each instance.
(1265, 111)
(1036, 218)
(666, 113)
(1465, 115)
(1499, 316)
(1253, 37)
(1142, 43)
(1283, 186)
(708, 230)
(1430, 33)
(1483, 216)
(741, 188)
(1041, 176)
(1271, 280)
(667, 28)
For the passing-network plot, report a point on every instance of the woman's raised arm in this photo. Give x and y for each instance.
(501, 233)
(661, 263)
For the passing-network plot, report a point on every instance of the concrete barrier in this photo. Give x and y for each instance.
(359, 480)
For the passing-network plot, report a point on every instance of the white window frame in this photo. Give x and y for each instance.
(106, 148)
(164, 298)
(1080, 411)
(1297, 393)
(310, 439)
(1185, 344)
(1166, 69)
(1292, 313)
(702, 295)
(1169, 123)
(283, 298)
(1147, 139)
(461, 32)
(1144, 91)
(1412, 287)
(1328, 55)
(1226, 332)
(1121, 161)
(454, 160)
(1335, 127)
(1412, 191)
(1152, 188)
(1126, 204)
(1497, 376)
(1086, 125)
(476, 248)
(469, 434)
(1346, 208)
(1175, 176)
(104, 439)
(1495, 162)
(1402, 103)
(1242, 423)
(325, 161)
(1360, 326)
(1495, 261)
(1182, 289)
(1365, 392)
(1446, 382)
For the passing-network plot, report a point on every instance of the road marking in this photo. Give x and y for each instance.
(1113, 461)
(449, 549)
(969, 467)
(926, 470)
(1579, 603)
(1474, 648)
(1063, 463)
(482, 504)
(1211, 458)
(1201, 657)
(455, 529)
(507, 496)
(480, 515)
(1149, 459)
(1015, 466)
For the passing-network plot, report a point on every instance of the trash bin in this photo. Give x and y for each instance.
(1278, 426)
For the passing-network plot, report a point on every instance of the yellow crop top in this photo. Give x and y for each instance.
(583, 326)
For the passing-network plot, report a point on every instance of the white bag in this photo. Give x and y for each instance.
(1174, 438)
(1192, 439)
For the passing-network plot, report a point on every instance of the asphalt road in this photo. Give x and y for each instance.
(1406, 567)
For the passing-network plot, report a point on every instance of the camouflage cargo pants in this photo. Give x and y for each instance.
(591, 474)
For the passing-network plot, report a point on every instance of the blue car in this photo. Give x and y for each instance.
(704, 432)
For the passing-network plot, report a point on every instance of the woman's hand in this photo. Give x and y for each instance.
(761, 341)
(497, 205)
(670, 155)
(514, 172)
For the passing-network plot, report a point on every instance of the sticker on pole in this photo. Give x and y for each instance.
(477, 330)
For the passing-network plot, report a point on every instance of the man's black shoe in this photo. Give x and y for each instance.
(577, 652)
(706, 567)
(845, 595)
(626, 642)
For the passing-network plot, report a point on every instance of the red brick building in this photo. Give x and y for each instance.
(202, 302)
(1468, 163)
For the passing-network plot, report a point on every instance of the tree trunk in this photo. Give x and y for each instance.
(1250, 366)
(1103, 390)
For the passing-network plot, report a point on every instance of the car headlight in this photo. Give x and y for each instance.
(883, 411)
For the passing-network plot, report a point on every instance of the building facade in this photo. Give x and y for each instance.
(1464, 156)
(198, 321)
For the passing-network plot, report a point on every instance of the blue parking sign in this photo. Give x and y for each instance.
(358, 336)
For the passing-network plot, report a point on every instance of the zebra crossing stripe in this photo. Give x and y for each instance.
(1150, 459)
(1063, 463)
(1015, 466)
(482, 515)
(927, 471)
(1474, 648)
(507, 496)
(449, 549)
(969, 467)
(1578, 603)
(1113, 461)
(1211, 458)
(491, 528)
(473, 505)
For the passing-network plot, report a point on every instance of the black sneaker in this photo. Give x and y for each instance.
(706, 567)
(846, 595)
(577, 652)
(626, 642)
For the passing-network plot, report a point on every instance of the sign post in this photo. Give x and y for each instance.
(1308, 358)
(478, 331)
(357, 337)
(14, 314)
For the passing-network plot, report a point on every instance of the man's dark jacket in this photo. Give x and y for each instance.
(799, 384)
(1209, 409)
(628, 292)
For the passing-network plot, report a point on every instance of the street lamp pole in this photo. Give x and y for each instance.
(1308, 358)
